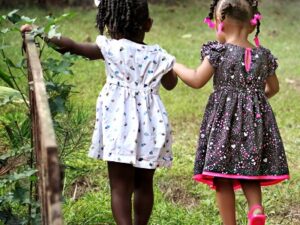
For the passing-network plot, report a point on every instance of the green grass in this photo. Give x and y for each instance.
(179, 200)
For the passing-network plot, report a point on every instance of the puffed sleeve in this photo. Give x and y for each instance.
(272, 64)
(104, 44)
(167, 61)
(213, 51)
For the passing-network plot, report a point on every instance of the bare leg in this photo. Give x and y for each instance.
(252, 191)
(143, 196)
(226, 200)
(121, 177)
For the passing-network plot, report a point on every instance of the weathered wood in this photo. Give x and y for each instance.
(44, 140)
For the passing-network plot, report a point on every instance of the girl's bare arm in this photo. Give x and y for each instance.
(64, 44)
(169, 80)
(272, 86)
(195, 78)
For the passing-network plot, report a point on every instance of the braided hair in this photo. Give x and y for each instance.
(242, 10)
(122, 18)
(254, 5)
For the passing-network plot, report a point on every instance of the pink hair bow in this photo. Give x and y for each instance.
(257, 17)
(210, 23)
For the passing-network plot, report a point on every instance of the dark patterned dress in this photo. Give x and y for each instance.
(239, 137)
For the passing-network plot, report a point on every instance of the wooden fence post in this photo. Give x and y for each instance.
(45, 146)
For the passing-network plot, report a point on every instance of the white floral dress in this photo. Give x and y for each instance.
(131, 121)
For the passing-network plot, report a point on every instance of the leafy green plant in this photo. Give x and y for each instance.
(18, 190)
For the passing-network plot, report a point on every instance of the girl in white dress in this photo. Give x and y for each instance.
(132, 132)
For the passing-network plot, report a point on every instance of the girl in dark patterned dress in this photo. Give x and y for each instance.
(239, 143)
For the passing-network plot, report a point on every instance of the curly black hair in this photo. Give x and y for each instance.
(122, 18)
(242, 10)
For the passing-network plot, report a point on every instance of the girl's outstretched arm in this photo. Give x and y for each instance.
(88, 50)
(64, 44)
(272, 86)
(195, 78)
(169, 80)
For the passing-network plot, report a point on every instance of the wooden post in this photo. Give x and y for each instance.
(44, 140)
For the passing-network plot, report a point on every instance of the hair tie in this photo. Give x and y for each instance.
(257, 17)
(97, 2)
(220, 28)
(256, 41)
(209, 22)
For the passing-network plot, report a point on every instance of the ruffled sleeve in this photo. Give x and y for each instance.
(104, 44)
(167, 61)
(213, 50)
(272, 64)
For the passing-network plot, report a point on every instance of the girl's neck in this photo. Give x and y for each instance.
(137, 39)
(240, 42)
(238, 35)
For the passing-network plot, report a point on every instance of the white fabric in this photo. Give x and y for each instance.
(97, 2)
(131, 121)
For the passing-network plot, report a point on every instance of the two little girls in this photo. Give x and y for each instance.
(239, 142)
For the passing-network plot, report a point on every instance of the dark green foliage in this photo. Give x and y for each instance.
(18, 176)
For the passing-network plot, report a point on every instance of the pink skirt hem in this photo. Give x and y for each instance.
(208, 178)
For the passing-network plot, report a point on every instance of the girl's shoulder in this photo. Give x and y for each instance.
(105, 42)
(267, 52)
(213, 46)
(213, 50)
(115, 51)
(220, 47)
(270, 59)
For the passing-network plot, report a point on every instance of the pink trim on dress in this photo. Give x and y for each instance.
(248, 59)
(208, 178)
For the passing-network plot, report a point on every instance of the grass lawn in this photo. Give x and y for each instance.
(178, 199)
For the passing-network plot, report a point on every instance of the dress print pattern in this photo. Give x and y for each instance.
(131, 121)
(239, 137)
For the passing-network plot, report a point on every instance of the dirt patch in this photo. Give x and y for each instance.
(177, 194)
(295, 83)
(79, 187)
(289, 216)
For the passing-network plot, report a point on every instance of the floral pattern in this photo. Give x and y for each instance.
(131, 121)
(239, 137)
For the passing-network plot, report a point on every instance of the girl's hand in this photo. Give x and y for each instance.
(26, 28)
